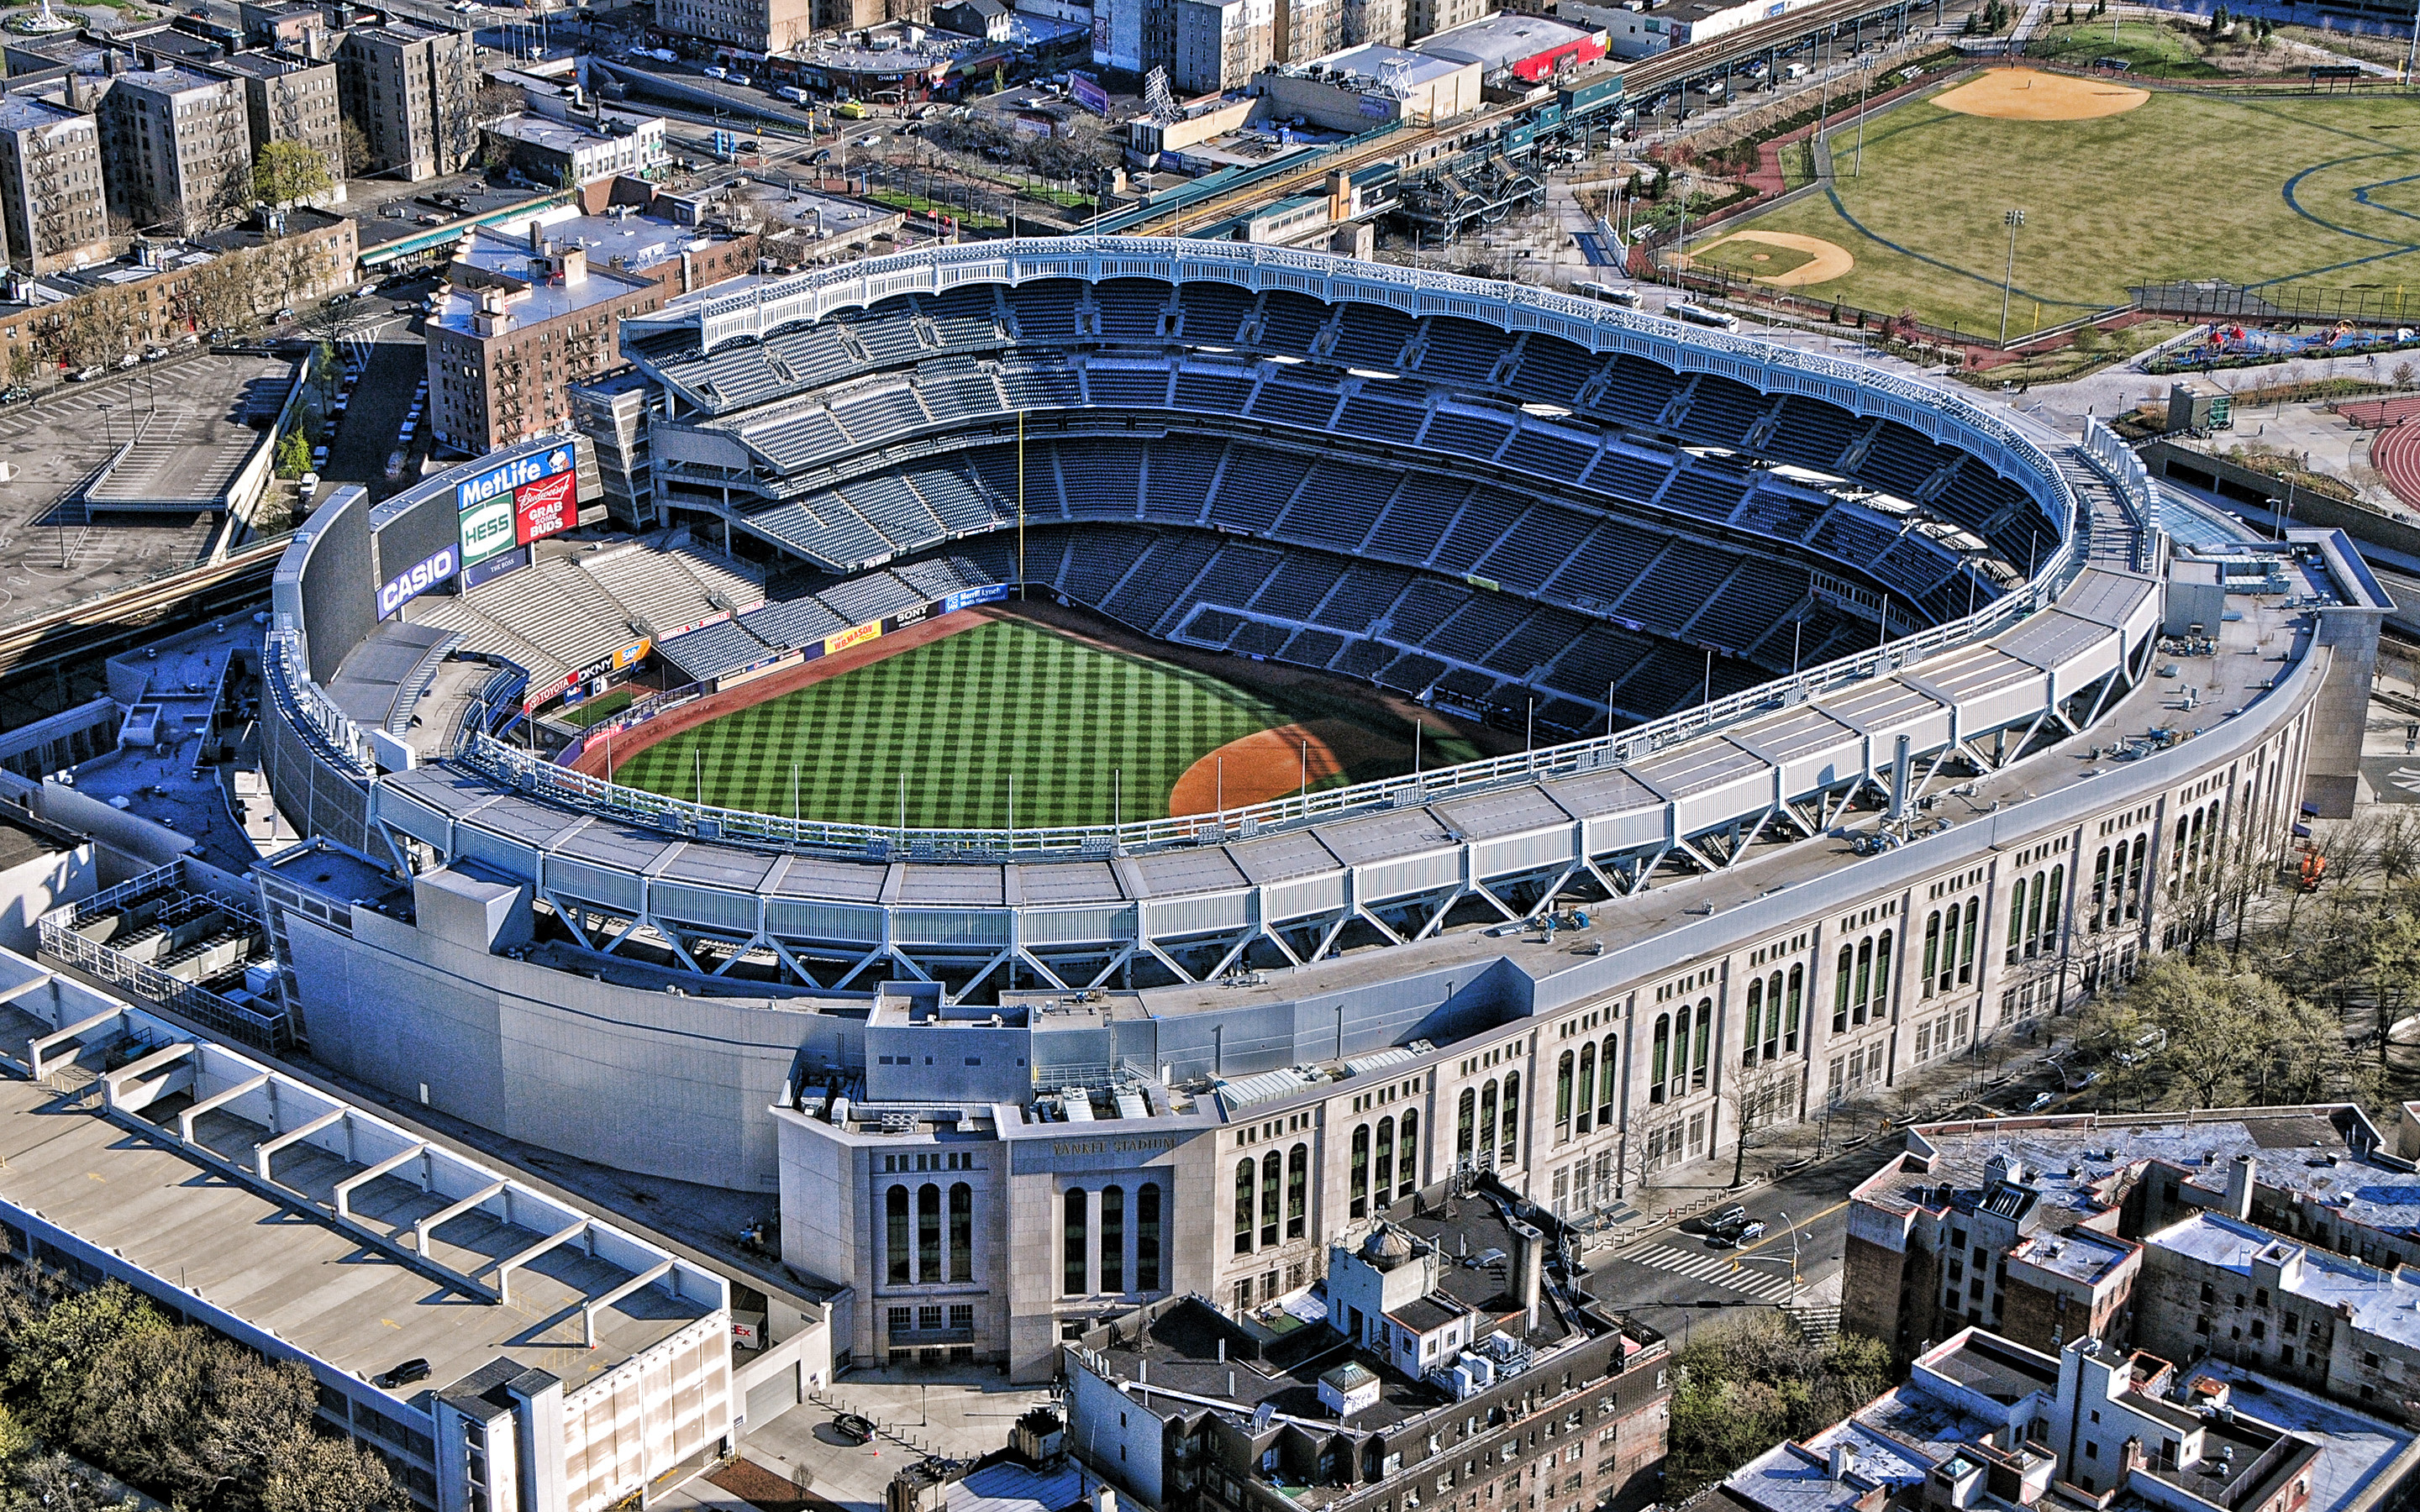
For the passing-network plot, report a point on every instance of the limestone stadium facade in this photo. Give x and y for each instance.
(1900, 756)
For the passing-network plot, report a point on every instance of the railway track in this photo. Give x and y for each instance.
(1649, 76)
(106, 625)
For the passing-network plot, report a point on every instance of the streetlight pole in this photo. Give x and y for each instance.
(2014, 219)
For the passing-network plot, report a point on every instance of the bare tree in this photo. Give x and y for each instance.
(1759, 1098)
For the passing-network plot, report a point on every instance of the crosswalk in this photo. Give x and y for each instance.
(1765, 1281)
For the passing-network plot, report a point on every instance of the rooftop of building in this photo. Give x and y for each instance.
(538, 302)
(2078, 1254)
(2384, 1303)
(547, 132)
(1993, 1367)
(24, 837)
(401, 29)
(1502, 40)
(193, 1216)
(260, 63)
(1372, 61)
(2077, 1166)
(20, 113)
(172, 80)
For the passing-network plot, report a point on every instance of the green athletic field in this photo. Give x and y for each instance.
(957, 718)
(2278, 192)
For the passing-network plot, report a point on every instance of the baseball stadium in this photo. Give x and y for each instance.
(1344, 728)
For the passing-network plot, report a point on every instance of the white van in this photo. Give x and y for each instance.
(792, 93)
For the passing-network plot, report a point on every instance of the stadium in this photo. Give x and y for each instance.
(1854, 743)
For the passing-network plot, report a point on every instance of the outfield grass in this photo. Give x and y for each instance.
(2255, 191)
(587, 713)
(958, 716)
(2153, 50)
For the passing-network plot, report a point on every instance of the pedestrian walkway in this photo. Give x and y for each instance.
(1766, 1281)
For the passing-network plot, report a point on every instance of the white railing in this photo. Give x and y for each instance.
(312, 711)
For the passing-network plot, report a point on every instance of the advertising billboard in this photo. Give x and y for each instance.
(856, 635)
(418, 579)
(547, 507)
(1088, 93)
(488, 529)
(501, 480)
(493, 569)
(966, 597)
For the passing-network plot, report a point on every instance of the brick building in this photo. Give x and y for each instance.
(409, 87)
(1444, 1370)
(176, 148)
(287, 98)
(526, 318)
(54, 210)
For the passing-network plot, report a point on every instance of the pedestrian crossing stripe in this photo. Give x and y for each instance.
(1715, 1268)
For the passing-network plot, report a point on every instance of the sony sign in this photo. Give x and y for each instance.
(418, 579)
(511, 475)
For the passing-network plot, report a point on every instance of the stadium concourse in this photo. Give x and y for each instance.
(1890, 768)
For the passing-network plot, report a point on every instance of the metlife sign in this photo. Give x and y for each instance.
(499, 481)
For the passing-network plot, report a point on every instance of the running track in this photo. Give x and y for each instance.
(2396, 452)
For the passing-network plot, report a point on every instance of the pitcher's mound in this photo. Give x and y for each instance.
(1825, 261)
(2026, 95)
(1271, 764)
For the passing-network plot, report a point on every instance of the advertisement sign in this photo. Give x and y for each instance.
(488, 529)
(856, 635)
(968, 598)
(418, 579)
(547, 507)
(1088, 93)
(502, 480)
(628, 656)
(493, 569)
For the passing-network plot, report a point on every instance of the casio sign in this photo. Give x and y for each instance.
(418, 579)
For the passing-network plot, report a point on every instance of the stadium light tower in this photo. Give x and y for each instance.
(2015, 220)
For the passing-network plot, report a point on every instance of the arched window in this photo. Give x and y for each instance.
(1797, 982)
(1882, 975)
(1271, 1172)
(1297, 1190)
(898, 1250)
(1487, 1121)
(1383, 1184)
(1843, 980)
(1563, 1096)
(1660, 1057)
(1114, 1240)
(1864, 993)
(1466, 1130)
(928, 1233)
(1071, 1280)
(2134, 876)
(1583, 1119)
(1360, 1168)
(2100, 890)
(1966, 943)
(2016, 919)
(1604, 1092)
(2177, 852)
(1147, 1236)
(2033, 914)
(1512, 1118)
(1244, 1206)
(1407, 1165)
(1754, 1039)
(1931, 948)
(2050, 909)
(1705, 1042)
(1680, 1052)
(1773, 1018)
(962, 1231)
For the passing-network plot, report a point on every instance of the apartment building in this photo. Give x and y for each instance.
(177, 146)
(54, 210)
(551, 152)
(409, 87)
(1221, 43)
(503, 355)
(769, 26)
(288, 98)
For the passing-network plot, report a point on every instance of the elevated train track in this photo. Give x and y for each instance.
(108, 624)
(1643, 79)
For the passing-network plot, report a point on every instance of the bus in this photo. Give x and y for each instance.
(1627, 296)
(1698, 314)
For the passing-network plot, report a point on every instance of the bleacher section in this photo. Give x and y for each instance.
(1347, 506)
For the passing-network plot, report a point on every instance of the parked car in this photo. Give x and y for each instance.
(716, 71)
(85, 374)
(128, 360)
(1749, 1232)
(155, 354)
(15, 394)
(2042, 1100)
(402, 1375)
(792, 93)
(854, 1428)
(741, 80)
(319, 456)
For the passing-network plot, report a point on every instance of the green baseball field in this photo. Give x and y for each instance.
(1084, 730)
(2120, 186)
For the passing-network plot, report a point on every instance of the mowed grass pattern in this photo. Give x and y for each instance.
(2297, 192)
(957, 718)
